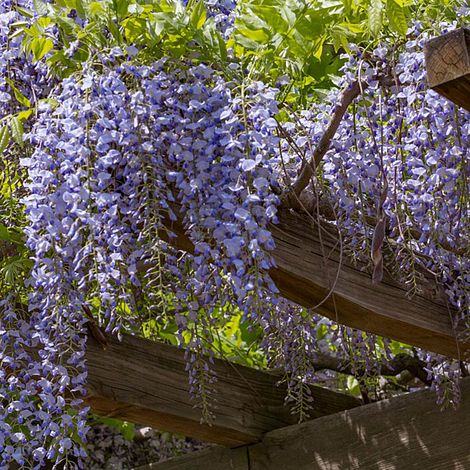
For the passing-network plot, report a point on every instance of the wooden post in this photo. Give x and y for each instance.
(448, 66)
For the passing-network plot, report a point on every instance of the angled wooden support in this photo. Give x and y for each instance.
(146, 382)
(448, 66)
(407, 432)
(310, 271)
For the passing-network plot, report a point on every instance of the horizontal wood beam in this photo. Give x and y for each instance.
(398, 434)
(305, 276)
(145, 382)
(448, 66)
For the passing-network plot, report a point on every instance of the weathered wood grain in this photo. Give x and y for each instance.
(303, 275)
(403, 433)
(448, 66)
(146, 382)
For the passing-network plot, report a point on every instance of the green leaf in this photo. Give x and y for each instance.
(120, 8)
(24, 115)
(40, 7)
(44, 21)
(261, 16)
(353, 386)
(222, 46)
(13, 268)
(114, 30)
(24, 12)
(397, 348)
(128, 430)
(353, 28)
(135, 9)
(4, 233)
(322, 331)
(96, 8)
(10, 235)
(198, 15)
(288, 15)
(258, 35)
(17, 130)
(404, 3)
(79, 6)
(18, 95)
(134, 29)
(157, 25)
(318, 48)
(375, 13)
(125, 428)
(4, 138)
(40, 47)
(396, 15)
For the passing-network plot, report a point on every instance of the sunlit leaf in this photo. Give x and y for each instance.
(4, 138)
(199, 14)
(375, 13)
(40, 7)
(96, 8)
(40, 47)
(17, 130)
(396, 15)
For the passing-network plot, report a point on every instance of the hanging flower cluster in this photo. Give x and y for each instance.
(21, 80)
(398, 169)
(23, 84)
(33, 413)
(412, 144)
(291, 344)
(117, 159)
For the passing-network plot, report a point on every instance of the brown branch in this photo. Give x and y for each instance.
(348, 95)
(400, 363)
(7, 249)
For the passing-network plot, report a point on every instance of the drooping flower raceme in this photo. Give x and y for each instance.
(114, 162)
(403, 149)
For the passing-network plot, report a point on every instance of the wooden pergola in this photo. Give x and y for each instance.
(145, 382)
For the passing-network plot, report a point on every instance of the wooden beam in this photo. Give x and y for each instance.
(146, 382)
(304, 276)
(448, 66)
(398, 434)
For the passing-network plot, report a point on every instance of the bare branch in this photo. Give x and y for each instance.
(348, 95)
(395, 366)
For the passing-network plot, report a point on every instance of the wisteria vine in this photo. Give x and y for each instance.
(398, 165)
(126, 161)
